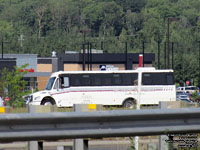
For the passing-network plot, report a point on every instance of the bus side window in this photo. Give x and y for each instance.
(157, 78)
(116, 79)
(106, 79)
(96, 80)
(65, 82)
(85, 80)
(75, 80)
(129, 78)
(146, 79)
(170, 79)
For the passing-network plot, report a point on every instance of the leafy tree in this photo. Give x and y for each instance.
(49, 25)
(6, 28)
(12, 82)
(134, 6)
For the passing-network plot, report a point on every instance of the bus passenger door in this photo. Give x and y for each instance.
(62, 92)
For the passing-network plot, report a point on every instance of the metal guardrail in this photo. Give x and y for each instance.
(116, 123)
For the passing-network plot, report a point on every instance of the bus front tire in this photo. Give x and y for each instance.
(48, 102)
(129, 104)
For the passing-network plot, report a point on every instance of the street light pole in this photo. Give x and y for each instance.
(168, 39)
(168, 49)
(172, 55)
(199, 66)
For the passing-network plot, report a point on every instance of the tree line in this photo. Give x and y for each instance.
(43, 26)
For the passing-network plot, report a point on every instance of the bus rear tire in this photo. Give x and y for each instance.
(48, 102)
(129, 103)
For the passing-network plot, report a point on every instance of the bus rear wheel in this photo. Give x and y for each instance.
(129, 103)
(48, 102)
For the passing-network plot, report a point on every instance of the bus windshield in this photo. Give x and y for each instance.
(50, 83)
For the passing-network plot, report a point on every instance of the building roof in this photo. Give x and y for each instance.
(99, 58)
(22, 59)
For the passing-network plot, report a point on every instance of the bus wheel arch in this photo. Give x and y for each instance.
(129, 103)
(48, 101)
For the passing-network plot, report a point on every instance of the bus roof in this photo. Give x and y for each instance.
(142, 69)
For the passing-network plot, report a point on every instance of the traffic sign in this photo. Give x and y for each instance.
(7, 99)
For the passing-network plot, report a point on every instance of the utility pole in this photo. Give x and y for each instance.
(84, 42)
(159, 54)
(165, 56)
(170, 19)
(2, 47)
(126, 55)
(143, 52)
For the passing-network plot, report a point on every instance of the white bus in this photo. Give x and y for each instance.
(144, 86)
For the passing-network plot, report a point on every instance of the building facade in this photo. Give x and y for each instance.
(101, 61)
(42, 67)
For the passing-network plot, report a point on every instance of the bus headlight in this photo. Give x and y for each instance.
(28, 99)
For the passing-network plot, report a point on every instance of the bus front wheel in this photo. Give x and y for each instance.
(129, 103)
(48, 102)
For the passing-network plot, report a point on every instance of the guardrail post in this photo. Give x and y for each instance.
(82, 144)
(37, 145)
(163, 145)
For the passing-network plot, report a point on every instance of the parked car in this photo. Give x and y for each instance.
(188, 89)
(180, 93)
(183, 97)
(2, 103)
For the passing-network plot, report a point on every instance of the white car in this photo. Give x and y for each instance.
(2, 103)
(187, 89)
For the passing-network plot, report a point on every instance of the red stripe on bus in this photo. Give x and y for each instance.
(149, 90)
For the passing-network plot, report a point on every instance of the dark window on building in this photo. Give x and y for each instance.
(158, 78)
